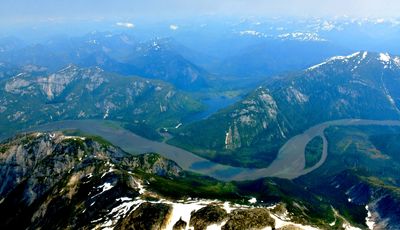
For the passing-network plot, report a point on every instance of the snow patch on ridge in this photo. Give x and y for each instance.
(121, 211)
(106, 114)
(126, 24)
(345, 57)
(182, 209)
(364, 55)
(301, 36)
(396, 60)
(368, 220)
(335, 58)
(253, 200)
(384, 57)
(284, 220)
(105, 187)
(252, 33)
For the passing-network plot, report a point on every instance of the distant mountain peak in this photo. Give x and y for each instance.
(335, 58)
(362, 58)
(388, 60)
(155, 45)
(300, 36)
(252, 33)
(384, 57)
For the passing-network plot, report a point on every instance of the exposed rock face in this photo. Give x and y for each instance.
(54, 181)
(232, 139)
(22, 156)
(15, 86)
(153, 163)
(147, 217)
(245, 218)
(207, 216)
(383, 203)
(257, 218)
(180, 225)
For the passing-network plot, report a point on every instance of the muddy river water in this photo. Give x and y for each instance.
(289, 163)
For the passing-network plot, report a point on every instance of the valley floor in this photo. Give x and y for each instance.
(289, 164)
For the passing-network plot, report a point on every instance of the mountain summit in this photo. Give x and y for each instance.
(360, 59)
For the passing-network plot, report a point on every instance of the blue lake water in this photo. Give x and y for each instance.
(213, 105)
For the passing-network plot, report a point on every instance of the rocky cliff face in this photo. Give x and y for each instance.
(381, 202)
(57, 181)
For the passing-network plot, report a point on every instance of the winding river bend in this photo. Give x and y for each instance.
(289, 163)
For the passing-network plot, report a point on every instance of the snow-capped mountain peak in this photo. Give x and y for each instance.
(389, 61)
(301, 36)
(252, 33)
(357, 59)
(384, 57)
(336, 58)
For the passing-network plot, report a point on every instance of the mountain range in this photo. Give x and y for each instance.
(250, 132)
(156, 59)
(32, 98)
(269, 57)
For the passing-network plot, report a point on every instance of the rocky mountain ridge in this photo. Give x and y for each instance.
(90, 93)
(59, 181)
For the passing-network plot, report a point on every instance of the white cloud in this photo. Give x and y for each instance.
(173, 27)
(126, 24)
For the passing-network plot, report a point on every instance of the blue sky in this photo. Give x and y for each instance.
(22, 11)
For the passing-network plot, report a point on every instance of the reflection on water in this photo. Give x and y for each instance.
(202, 165)
(229, 172)
(213, 105)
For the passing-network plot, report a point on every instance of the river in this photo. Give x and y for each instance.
(289, 163)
